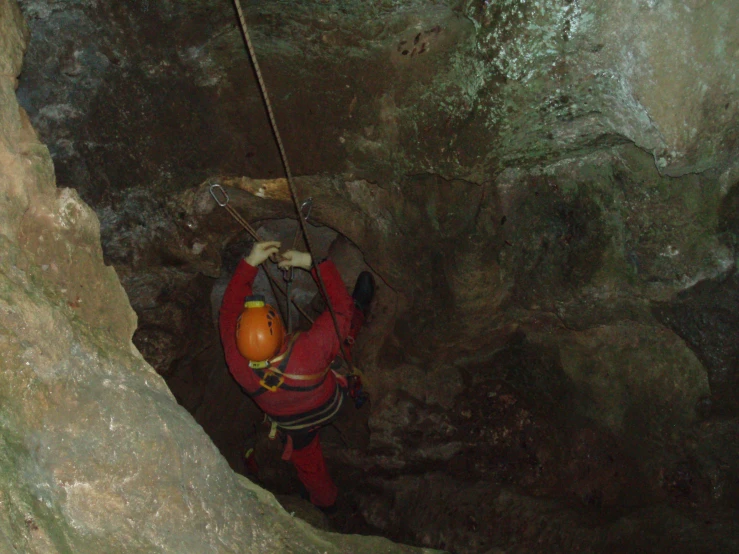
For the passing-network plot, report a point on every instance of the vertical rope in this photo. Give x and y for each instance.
(272, 283)
(288, 173)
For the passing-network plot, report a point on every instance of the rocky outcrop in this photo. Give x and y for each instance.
(460, 89)
(96, 454)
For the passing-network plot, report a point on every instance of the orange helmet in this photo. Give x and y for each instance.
(259, 331)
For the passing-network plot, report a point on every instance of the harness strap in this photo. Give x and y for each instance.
(281, 363)
(286, 353)
(322, 415)
(311, 377)
(273, 378)
(283, 386)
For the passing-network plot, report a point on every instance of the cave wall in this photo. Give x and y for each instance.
(96, 455)
(565, 161)
(546, 190)
(456, 88)
(433, 121)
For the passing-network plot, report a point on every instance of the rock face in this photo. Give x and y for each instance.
(96, 454)
(456, 88)
(546, 191)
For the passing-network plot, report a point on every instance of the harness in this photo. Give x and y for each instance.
(272, 376)
(315, 418)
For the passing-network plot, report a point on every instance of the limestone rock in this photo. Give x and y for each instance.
(14, 39)
(634, 374)
(456, 89)
(703, 316)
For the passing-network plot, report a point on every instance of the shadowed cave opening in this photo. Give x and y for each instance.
(189, 356)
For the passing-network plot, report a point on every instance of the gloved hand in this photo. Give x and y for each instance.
(295, 258)
(261, 251)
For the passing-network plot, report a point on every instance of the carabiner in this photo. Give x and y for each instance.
(309, 204)
(213, 188)
(271, 388)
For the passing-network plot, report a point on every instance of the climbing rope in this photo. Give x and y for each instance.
(225, 203)
(288, 274)
(288, 173)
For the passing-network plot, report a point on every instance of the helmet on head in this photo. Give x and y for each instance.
(259, 331)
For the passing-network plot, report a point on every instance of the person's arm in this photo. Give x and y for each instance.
(321, 337)
(320, 345)
(239, 287)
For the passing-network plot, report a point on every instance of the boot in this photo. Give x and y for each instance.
(364, 291)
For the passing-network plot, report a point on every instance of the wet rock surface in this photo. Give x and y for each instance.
(499, 471)
(454, 88)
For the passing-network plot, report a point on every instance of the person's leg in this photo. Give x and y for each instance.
(364, 292)
(355, 327)
(307, 457)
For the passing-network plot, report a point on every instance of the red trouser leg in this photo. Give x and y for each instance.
(356, 325)
(313, 474)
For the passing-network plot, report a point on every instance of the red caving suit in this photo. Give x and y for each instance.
(312, 352)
